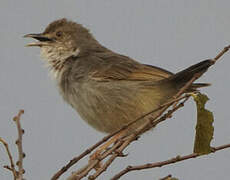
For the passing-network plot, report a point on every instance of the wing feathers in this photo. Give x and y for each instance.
(123, 68)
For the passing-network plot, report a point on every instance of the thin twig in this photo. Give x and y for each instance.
(164, 163)
(221, 54)
(77, 175)
(21, 155)
(187, 85)
(76, 159)
(112, 158)
(12, 164)
(169, 113)
(18, 174)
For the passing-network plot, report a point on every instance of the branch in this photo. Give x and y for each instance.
(82, 155)
(221, 54)
(18, 175)
(164, 163)
(21, 155)
(12, 165)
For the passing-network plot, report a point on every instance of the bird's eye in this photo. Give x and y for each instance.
(59, 34)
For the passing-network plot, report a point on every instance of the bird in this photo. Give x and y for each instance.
(107, 89)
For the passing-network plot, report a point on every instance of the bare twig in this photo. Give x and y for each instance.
(21, 155)
(221, 54)
(163, 163)
(18, 174)
(12, 165)
(76, 159)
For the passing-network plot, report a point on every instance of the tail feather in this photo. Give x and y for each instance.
(181, 78)
(200, 85)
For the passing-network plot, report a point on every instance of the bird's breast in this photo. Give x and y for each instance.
(108, 106)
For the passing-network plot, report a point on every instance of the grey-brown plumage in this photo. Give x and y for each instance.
(107, 89)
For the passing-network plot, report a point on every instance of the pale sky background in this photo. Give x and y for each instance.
(165, 33)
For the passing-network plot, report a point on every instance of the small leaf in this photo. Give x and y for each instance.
(204, 127)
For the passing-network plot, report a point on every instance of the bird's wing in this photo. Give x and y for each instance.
(119, 67)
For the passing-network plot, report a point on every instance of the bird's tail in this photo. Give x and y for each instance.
(181, 78)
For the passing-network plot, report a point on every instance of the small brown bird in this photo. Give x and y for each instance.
(107, 89)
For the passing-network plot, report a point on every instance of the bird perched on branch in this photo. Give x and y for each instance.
(107, 89)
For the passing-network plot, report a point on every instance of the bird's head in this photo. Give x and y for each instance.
(61, 39)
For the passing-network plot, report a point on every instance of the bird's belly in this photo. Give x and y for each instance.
(107, 108)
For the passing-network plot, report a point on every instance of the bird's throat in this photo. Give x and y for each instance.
(55, 59)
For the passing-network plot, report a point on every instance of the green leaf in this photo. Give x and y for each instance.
(204, 127)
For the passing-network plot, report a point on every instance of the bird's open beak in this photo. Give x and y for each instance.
(42, 39)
